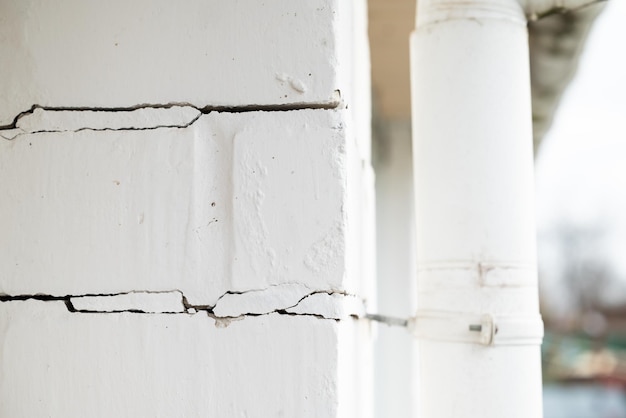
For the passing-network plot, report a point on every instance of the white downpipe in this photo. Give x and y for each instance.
(478, 319)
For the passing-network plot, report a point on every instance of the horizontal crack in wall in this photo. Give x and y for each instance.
(171, 302)
(17, 127)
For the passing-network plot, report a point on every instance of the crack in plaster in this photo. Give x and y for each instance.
(260, 301)
(12, 131)
(142, 302)
(42, 120)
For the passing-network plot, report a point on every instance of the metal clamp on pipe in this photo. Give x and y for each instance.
(484, 329)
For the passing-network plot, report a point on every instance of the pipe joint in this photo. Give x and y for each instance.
(435, 11)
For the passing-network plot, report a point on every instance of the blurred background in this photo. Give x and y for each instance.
(578, 67)
(581, 219)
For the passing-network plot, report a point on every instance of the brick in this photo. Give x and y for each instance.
(70, 365)
(207, 53)
(233, 202)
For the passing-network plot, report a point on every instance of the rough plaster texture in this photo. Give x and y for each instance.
(261, 301)
(61, 364)
(140, 302)
(47, 120)
(233, 202)
(122, 54)
(330, 306)
(219, 222)
(186, 225)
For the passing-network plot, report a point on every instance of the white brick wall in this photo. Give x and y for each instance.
(208, 53)
(55, 363)
(233, 202)
(186, 214)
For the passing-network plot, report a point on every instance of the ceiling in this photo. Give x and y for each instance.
(555, 44)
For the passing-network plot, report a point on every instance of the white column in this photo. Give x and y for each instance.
(477, 321)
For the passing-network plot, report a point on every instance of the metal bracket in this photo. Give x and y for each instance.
(484, 329)
(487, 329)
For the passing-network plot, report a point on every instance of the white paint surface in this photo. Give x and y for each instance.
(148, 302)
(262, 301)
(474, 199)
(234, 202)
(41, 120)
(330, 306)
(154, 160)
(61, 364)
(120, 53)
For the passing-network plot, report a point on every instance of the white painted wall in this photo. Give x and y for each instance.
(61, 364)
(209, 208)
(122, 54)
(187, 221)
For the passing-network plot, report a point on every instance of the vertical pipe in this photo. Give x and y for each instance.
(478, 319)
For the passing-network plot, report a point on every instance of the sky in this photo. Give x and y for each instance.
(581, 166)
